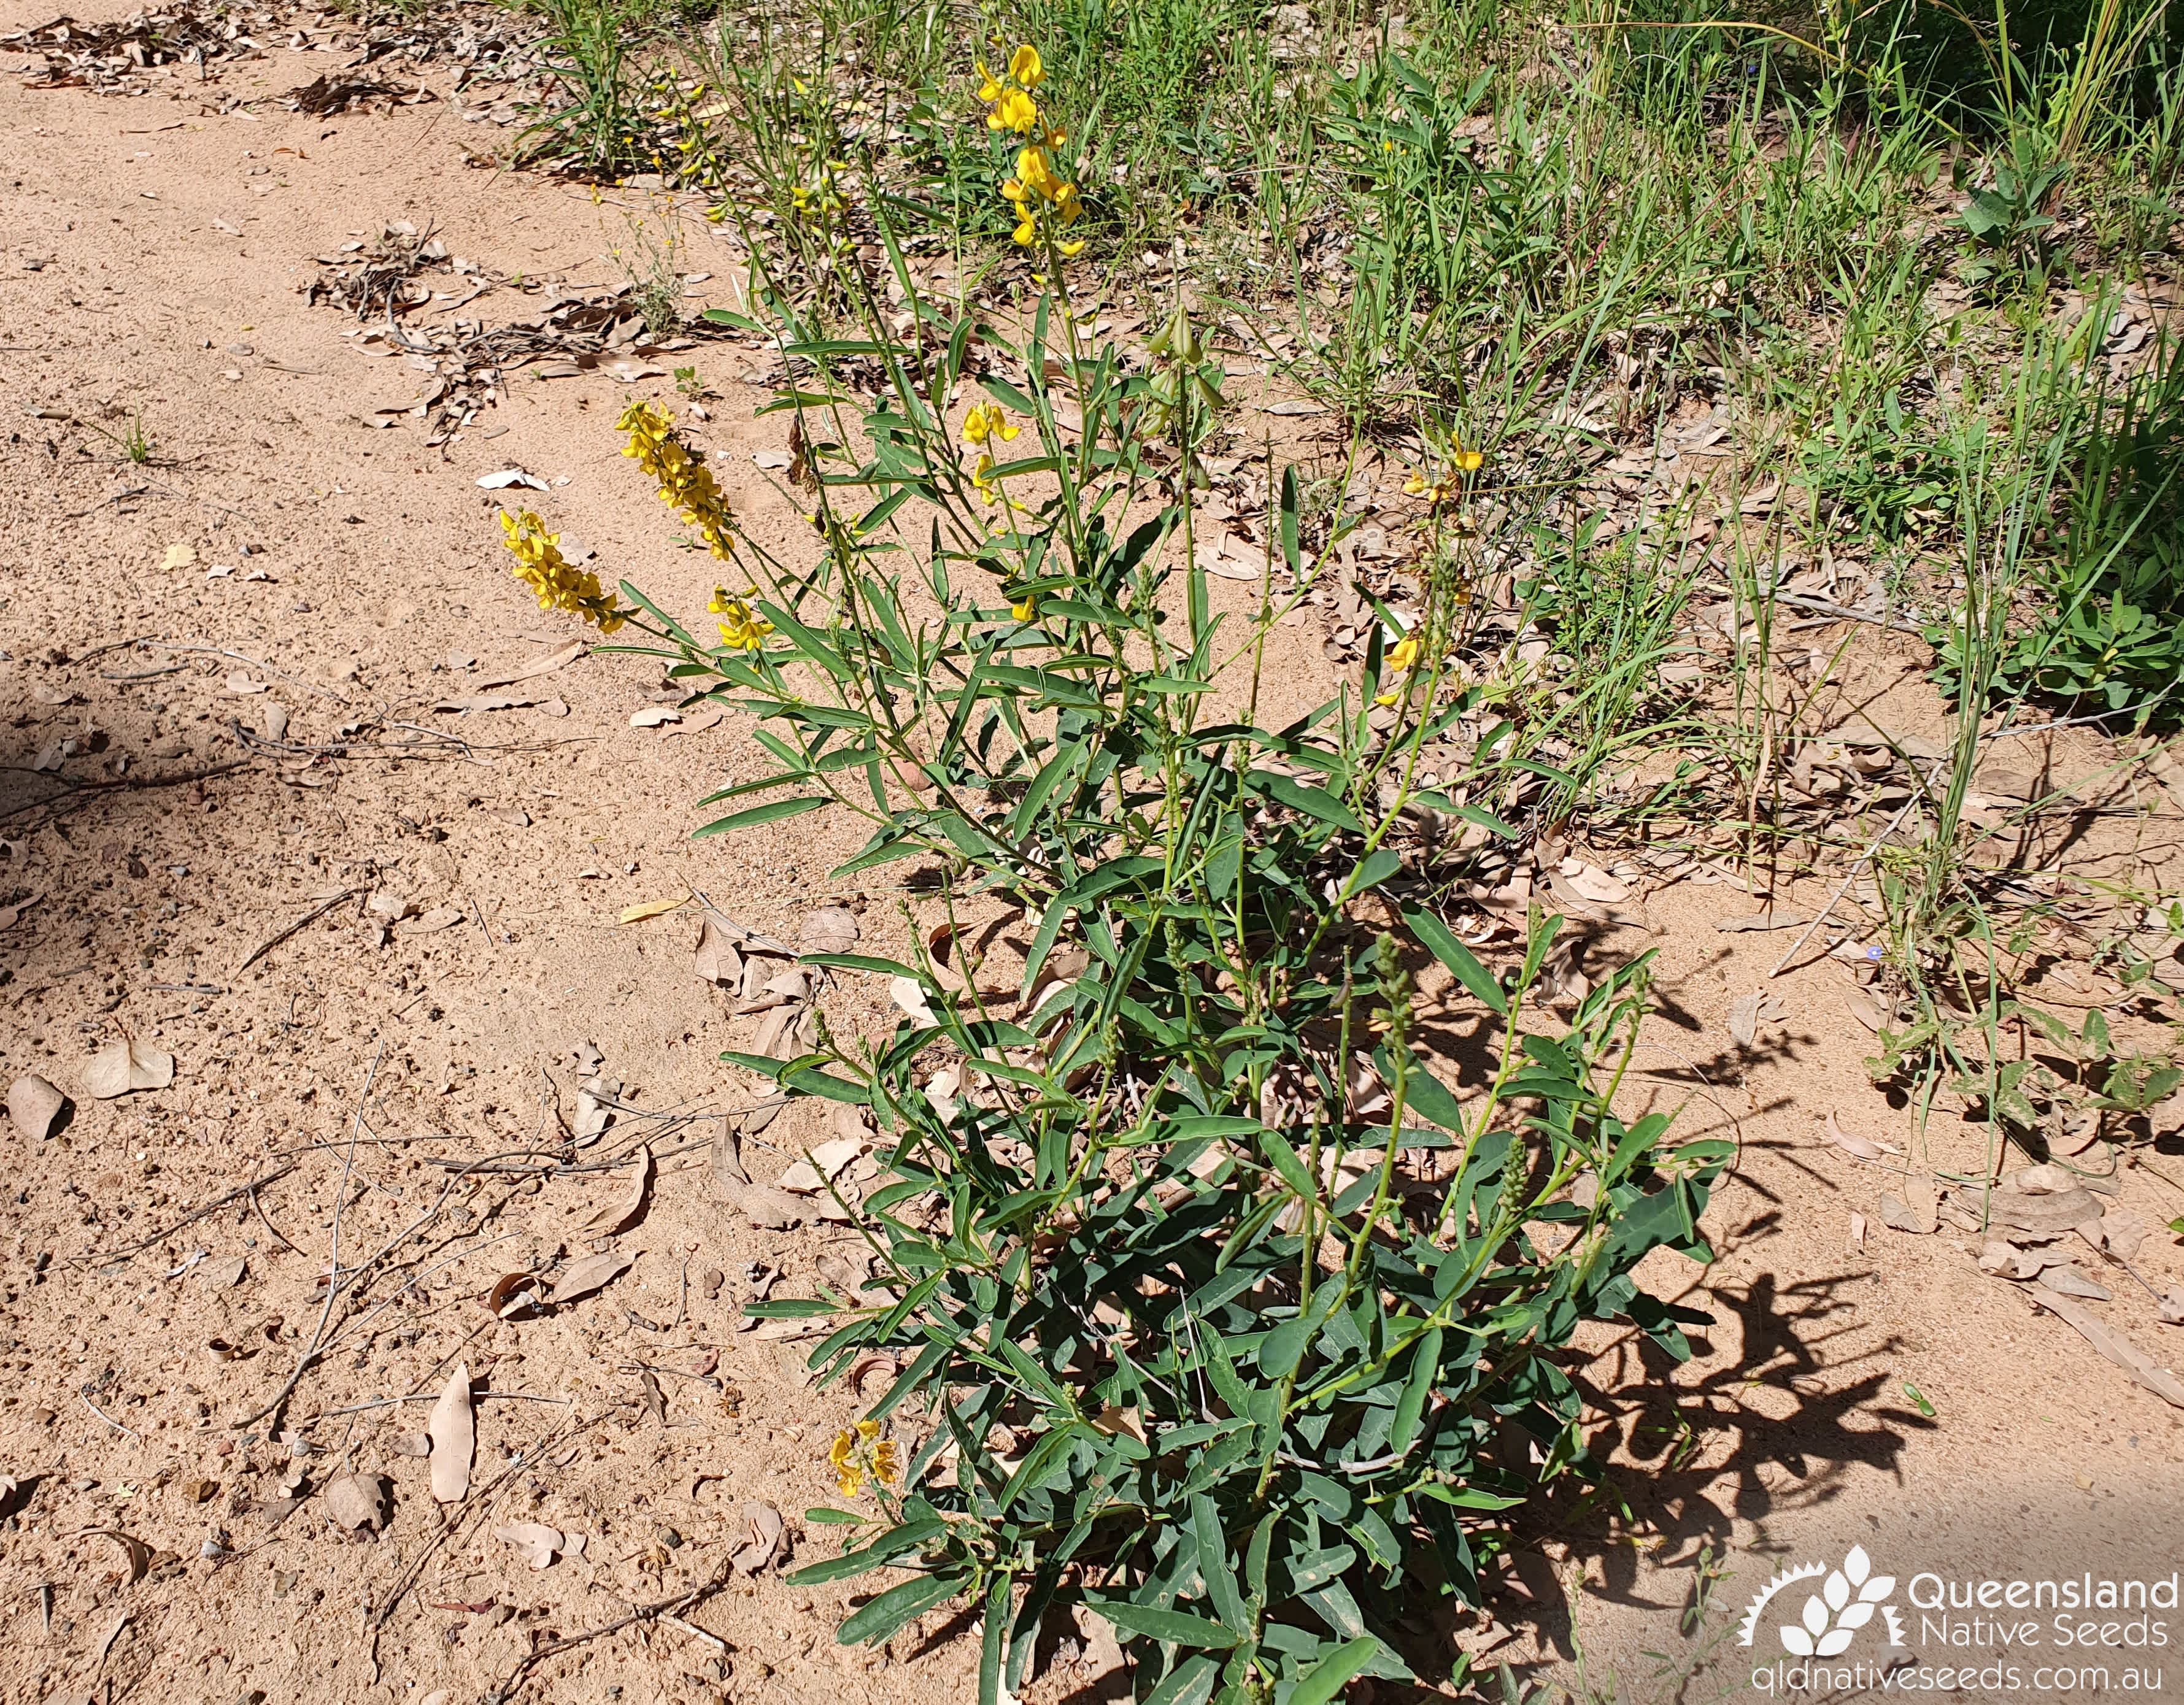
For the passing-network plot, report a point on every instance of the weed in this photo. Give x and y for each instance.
(1213, 1297)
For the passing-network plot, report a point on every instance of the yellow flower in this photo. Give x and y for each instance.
(1025, 68)
(1468, 461)
(853, 1454)
(557, 583)
(1014, 111)
(986, 421)
(989, 89)
(1402, 660)
(982, 477)
(1024, 609)
(745, 629)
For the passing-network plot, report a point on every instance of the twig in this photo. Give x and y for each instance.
(433, 1397)
(300, 923)
(222, 651)
(1850, 876)
(333, 1269)
(212, 1206)
(664, 1607)
(270, 1227)
(118, 497)
(108, 1418)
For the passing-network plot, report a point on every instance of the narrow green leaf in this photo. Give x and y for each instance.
(1334, 1672)
(774, 813)
(1169, 1627)
(1441, 941)
(875, 1621)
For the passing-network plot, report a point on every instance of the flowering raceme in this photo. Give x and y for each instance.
(860, 1451)
(742, 628)
(1044, 203)
(559, 584)
(685, 483)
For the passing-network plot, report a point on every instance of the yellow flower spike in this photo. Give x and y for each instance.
(1025, 68)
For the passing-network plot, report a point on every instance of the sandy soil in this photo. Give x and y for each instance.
(157, 1550)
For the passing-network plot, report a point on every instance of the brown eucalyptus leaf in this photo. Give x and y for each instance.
(126, 1067)
(1594, 883)
(593, 1272)
(619, 1214)
(357, 1500)
(411, 1445)
(1898, 1215)
(2118, 1348)
(1850, 1143)
(534, 1542)
(35, 1105)
(453, 1430)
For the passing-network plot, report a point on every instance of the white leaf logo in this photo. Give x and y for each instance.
(1856, 1566)
(1837, 1591)
(1797, 1640)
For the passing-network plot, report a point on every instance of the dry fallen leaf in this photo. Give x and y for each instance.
(617, 1215)
(830, 929)
(35, 1105)
(717, 958)
(765, 1539)
(1864, 1147)
(512, 1293)
(2172, 1306)
(439, 918)
(454, 1432)
(1898, 1215)
(764, 1206)
(655, 716)
(593, 1272)
(10, 915)
(653, 908)
(2118, 1348)
(126, 1067)
(411, 1445)
(357, 1500)
(2044, 1180)
(1759, 920)
(908, 994)
(179, 556)
(1594, 883)
(824, 1162)
(2071, 1281)
(534, 1542)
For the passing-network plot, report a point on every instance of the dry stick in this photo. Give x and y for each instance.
(82, 792)
(333, 1267)
(300, 923)
(222, 651)
(433, 1397)
(664, 1609)
(1850, 876)
(213, 1206)
(270, 1227)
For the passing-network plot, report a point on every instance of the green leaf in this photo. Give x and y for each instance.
(1373, 870)
(1334, 1672)
(1169, 1627)
(1441, 941)
(858, 962)
(774, 813)
(1192, 1684)
(1313, 802)
(873, 1622)
(1425, 1369)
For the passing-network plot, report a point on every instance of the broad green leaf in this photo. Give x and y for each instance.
(1169, 1627)
(1334, 1672)
(774, 813)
